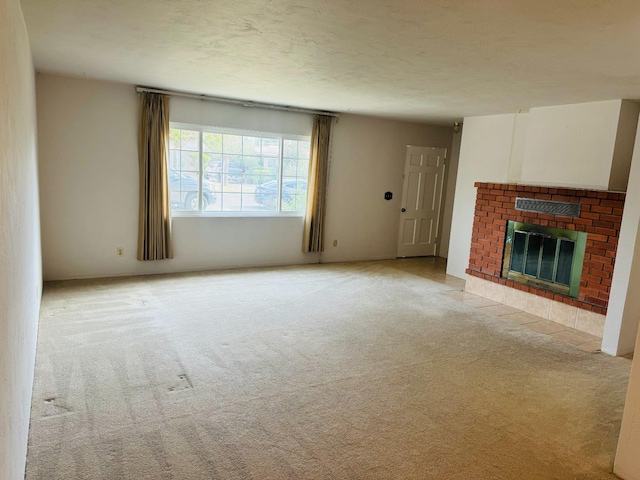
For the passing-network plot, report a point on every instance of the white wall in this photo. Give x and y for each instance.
(367, 159)
(575, 145)
(20, 274)
(485, 156)
(449, 194)
(518, 145)
(89, 187)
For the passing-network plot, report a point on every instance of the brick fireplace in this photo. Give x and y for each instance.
(600, 218)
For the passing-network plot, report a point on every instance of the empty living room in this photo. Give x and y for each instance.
(319, 240)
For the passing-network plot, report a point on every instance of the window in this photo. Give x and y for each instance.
(219, 170)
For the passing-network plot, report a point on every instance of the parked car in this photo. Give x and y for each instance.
(267, 193)
(214, 173)
(184, 191)
(235, 175)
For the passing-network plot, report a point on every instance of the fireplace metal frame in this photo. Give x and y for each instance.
(580, 241)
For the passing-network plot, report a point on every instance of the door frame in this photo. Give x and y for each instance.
(441, 184)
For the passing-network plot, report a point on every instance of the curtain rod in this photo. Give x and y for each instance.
(244, 103)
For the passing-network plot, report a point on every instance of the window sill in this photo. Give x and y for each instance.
(237, 215)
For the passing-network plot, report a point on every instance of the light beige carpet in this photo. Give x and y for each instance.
(344, 371)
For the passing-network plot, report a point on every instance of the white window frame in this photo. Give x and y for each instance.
(236, 131)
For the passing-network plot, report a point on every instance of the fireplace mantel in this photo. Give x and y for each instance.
(600, 217)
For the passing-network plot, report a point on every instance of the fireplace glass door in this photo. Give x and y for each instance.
(548, 258)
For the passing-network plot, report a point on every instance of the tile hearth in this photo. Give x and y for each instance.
(538, 324)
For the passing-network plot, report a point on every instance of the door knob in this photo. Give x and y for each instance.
(403, 210)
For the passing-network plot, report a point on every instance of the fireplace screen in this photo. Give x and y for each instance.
(548, 258)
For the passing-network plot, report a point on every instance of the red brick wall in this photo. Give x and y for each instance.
(600, 217)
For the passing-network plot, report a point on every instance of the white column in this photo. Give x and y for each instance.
(623, 313)
(627, 463)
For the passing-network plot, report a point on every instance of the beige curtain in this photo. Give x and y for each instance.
(154, 235)
(317, 185)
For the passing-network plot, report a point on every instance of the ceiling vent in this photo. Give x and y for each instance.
(549, 207)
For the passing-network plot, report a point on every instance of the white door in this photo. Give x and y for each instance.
(421, 197)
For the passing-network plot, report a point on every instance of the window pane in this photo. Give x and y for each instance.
(251, 166)
(269, 169)
(294, 191)
(290, 166)
(190, 161)
(565, 260)
(217, 205)
(251, 145)
(230, 183)
(249, 203)
(212, 142)
(209, 194)
(184, 190)
(303, 167)
(304, 150)
(232, 144)
(548, 258)
(290, 148)
(296, 203)
(271, 147)
(533, 255)
(517, 252)
(231, 201)
(174, 138)
(174, 159)
(293, 203)
(184, 163)
(212, 164)
(295, 165)
(235, 162)
(174, 189)
(190, 140)
(266, 194)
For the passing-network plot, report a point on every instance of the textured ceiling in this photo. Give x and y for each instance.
(432, 61)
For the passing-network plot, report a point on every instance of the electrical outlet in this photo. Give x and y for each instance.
(335, 243)
(120, 251)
